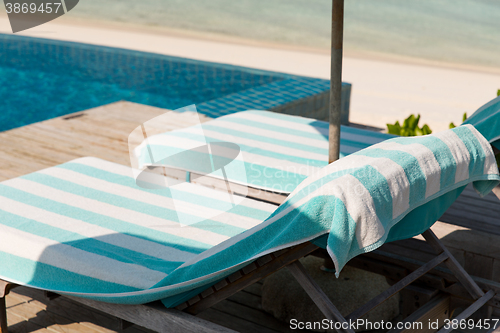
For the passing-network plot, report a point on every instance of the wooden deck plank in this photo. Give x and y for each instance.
(247, 298)
(101, 132)
(472, 211)
(253, 315)
(18, 324)
(232, 322)
(254, 289)
(61, 311)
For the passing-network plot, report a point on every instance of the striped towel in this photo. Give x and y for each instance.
(85, 228)
(393, 190)
(487, 121)
(277, 151)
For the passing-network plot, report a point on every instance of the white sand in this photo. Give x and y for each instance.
(383, 91)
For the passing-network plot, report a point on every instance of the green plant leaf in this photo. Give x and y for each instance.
(465, 116)
(410, 123)
(406, 122)
(394, 129)
(452, 125)
(409, 128)
(414, 122)
(498, 92)
(426, 130)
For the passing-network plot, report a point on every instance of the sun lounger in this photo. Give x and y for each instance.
(85, 229)
(279, 151)
(486, 120)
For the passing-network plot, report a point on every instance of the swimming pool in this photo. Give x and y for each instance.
(41, 79)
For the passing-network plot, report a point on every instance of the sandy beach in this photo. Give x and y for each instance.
(385, 88)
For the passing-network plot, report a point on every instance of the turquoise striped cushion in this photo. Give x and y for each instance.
(277, 151)
(487, 121)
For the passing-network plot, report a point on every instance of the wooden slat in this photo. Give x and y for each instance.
(453, 265)
(31, 305)
(317, 295)
(155, 317)
(255, 289)
(377, 300)
(439, 278)
(246, 280)
(246, 298)
(252, 315)
(234, 323)
(54, 321)
(437, 309)
(414, 296)
(470, 310)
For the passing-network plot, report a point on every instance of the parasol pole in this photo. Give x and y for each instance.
(335, 93)
(336, 80)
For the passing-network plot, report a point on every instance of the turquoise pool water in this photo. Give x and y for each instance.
(41, 79)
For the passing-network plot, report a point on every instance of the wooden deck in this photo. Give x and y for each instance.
(28, 310)
(472, 234)
(103, 133)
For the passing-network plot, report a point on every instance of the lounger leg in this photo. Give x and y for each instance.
(453, 265)
(462, 276)
(317, 295)
(470, 310)
(5, 287)
(3, 315)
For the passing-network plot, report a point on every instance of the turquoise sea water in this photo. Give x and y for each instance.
(462, 31)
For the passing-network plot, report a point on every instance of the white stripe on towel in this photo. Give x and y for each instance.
(393, 173)
(99, 233)
(490, 164)
(360, 206)
(43, 250)
(459, 152)
(426, 160)
(123, 214)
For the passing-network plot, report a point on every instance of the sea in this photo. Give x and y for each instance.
(453, 31)
(456, 31)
